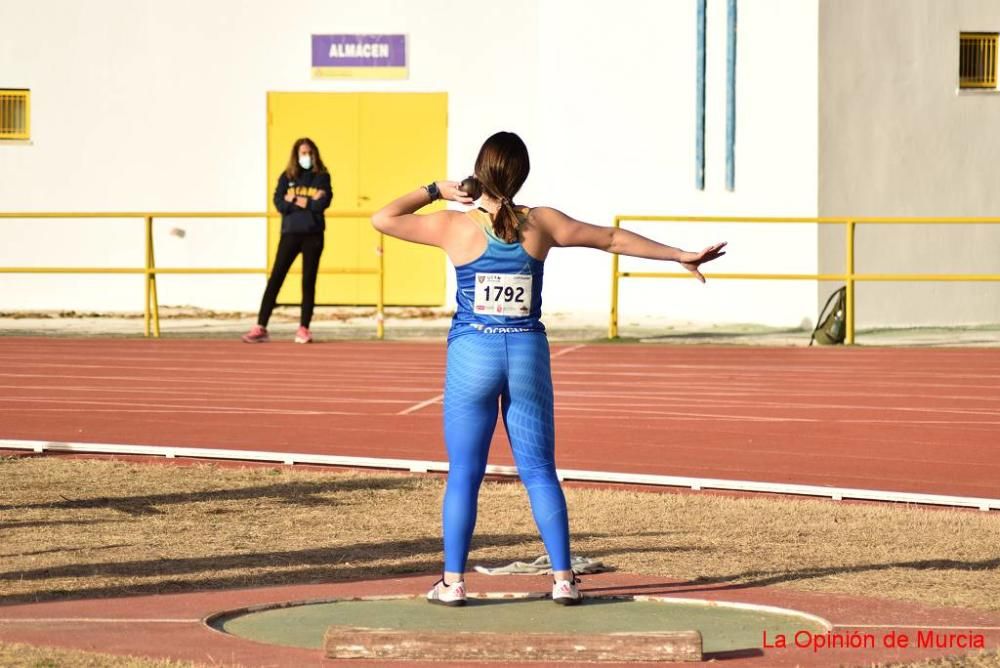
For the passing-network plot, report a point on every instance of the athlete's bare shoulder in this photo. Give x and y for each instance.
(547, 212)
(455, 220)
(546, 217)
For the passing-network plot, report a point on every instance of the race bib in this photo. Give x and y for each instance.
(507, 295)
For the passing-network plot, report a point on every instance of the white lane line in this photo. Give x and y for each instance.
(760, 385)
(676, 397)
(605, 413)
(796, 411)
(214, 371)
(425, 466)
(781, 370)
(752, 397)
(125, 405)
(615, 415)
(566, 351)
(185, 381)
(685, 415)
(178, 411)
(433, 400)
(186, 394)
(334, 362)
(826, 407)
(904, 421)
(423, 404)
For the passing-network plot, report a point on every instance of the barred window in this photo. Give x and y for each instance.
(15, 113)
(977, 62)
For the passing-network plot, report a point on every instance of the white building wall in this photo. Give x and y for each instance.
(146, 105)
(898, 138)
(618, 118)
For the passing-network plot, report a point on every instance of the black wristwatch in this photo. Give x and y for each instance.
(433, 190)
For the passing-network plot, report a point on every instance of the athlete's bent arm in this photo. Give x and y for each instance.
(566, 231)
(398, 218)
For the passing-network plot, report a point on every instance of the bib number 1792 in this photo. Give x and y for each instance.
(503, 294)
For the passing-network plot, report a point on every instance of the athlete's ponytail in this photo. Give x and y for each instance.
(501, 169)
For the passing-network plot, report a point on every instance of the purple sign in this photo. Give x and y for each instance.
(358, 51)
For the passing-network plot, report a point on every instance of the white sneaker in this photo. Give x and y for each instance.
(565, 592)
(452, 595)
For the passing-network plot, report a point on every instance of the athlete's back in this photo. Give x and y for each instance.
(500, 292)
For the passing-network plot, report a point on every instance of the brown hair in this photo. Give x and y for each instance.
(293, 169)
(501, 169)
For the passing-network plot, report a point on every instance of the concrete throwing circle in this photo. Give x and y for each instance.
(518, 626)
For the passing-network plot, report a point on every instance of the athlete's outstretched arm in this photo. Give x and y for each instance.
(398, 218)
(567, 231)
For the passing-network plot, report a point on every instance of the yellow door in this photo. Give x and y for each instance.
(404, 142)
(376, 146)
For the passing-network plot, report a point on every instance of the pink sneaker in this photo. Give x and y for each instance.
(303, 335)
(257, 334)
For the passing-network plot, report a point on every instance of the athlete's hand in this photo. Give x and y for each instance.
(452, 191)
(289, 195)
(691, 261)
(319, 194)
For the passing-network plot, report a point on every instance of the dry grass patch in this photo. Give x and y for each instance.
(71, 527)
(978, 660)
(26, 656)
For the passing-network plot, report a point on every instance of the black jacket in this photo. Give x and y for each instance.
(309, 219)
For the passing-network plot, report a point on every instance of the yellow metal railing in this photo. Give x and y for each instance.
(977, 60)
(150, 270)
(15, 114)
(849, 277)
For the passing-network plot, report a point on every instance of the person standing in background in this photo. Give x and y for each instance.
(302, 195)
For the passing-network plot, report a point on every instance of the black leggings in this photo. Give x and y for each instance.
(290, 245)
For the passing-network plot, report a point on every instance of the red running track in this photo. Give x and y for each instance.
(912, 420)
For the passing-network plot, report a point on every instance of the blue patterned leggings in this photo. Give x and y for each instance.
(514, 369)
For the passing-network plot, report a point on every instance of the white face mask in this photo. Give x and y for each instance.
(305, 161)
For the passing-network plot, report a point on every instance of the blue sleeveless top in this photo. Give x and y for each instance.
(500, 292)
